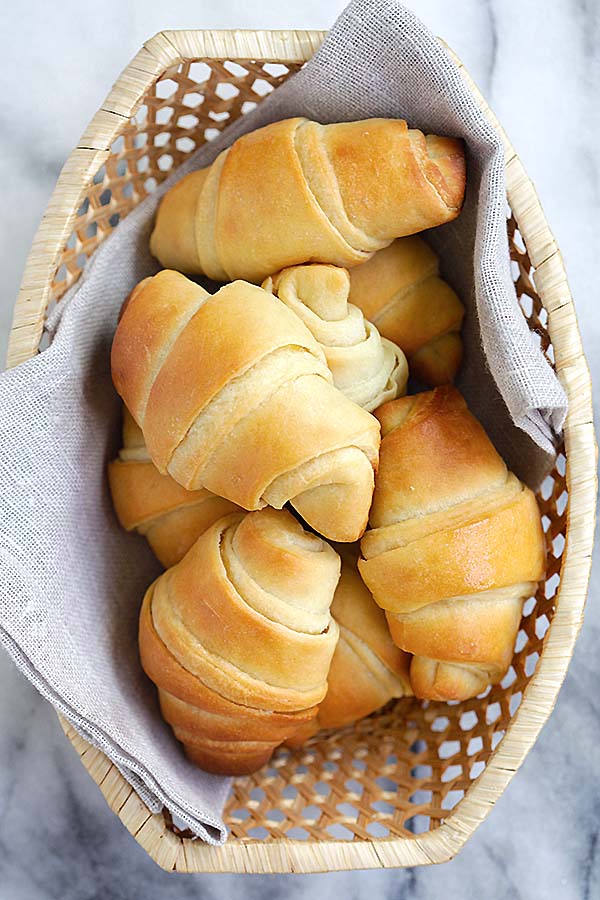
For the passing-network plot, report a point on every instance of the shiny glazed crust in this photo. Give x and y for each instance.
(238, 638)
(233, 394)
(455, 545)
(400, 291)
(296, 191)
(367, 669)
(168, 516)
(368, 369)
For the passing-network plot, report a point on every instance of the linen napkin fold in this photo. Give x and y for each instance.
(71, 581)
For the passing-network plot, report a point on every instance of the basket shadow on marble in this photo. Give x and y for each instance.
(409, 785)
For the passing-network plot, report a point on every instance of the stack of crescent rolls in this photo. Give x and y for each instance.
(336, 528)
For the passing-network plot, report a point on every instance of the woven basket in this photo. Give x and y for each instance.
(407, 786)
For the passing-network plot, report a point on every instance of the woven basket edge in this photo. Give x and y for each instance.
(169, 851)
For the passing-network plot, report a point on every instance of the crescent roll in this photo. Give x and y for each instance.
(296, 191)
(233, 394)
(366, 368)
(238, 638)
(367, 669)
(400, 291)
(154, 505)
(455, 547)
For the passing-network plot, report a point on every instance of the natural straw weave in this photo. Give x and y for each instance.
(410, 785)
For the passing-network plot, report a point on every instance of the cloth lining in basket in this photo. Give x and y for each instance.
(70, 581)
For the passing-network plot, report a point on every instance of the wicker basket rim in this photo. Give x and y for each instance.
(167, 49)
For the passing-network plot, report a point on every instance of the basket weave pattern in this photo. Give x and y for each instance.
(403, 772)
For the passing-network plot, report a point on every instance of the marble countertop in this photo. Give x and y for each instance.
(539, 66)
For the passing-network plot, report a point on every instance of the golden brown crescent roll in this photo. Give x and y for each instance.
(238, 638)
(170, 517)
(400, 291)
(296, 191)
(233, 394)
(455, 545)
(366, 368)
(367, 669)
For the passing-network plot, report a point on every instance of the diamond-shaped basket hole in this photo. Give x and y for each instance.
(526, 304)
(276, 69)
(161, 139)
(289, 792)
(235, 68)
(475, 745)
(166, 87)
(515, 702)
(440, 723)
(239, 815)
(297, 833)
(476, 769)
(199, 72)
(354, 787)
(531, 663)
(420, 797)
(322, 788)
(451, 799)
(193, 99)
(165, 162)
(185, 144)
(348, 811)
(541, 626)
(275, 816)
(339, 832)
(496, 738)
(386, 784)
(382, 807)
(452, 772)
(468, 720)
(258, 832)
(551, 586)
(261, 87)
(421, 772)
(211, 133)
(226, 91)
(188, 120)
(521, 641)
(448, 749)
(164, 115)
(312, 813)
(248, 106)
(377, 830)
(509, 678)
(418, 824)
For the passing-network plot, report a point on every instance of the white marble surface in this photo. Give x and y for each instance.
(539, 65)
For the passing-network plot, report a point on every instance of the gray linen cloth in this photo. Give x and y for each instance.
(71, 581)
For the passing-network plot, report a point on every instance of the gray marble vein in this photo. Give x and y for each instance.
(539, 65)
